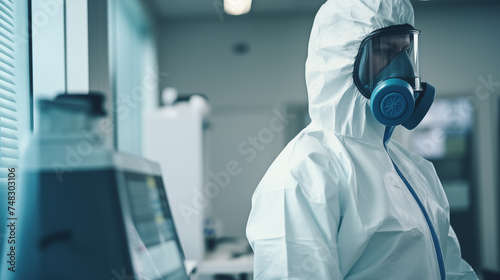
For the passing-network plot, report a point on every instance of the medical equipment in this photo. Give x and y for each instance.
(89, 212)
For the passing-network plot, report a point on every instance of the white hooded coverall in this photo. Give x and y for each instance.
(332, 205)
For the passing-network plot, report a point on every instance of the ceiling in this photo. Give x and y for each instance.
(188, 9)
(193, 9)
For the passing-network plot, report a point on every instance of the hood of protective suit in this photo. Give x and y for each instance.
(335, 103)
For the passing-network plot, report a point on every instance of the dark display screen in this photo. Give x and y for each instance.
(155, 247)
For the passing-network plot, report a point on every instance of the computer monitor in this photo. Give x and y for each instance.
(154, 244)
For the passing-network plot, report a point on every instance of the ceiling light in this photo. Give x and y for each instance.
(237, 7)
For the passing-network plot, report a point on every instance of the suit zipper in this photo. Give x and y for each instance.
(435, 239)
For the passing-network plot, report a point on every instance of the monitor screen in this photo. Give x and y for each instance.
(156, 251)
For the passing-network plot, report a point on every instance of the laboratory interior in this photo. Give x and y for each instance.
(134, 134)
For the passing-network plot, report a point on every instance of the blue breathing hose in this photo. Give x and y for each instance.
(435, 239)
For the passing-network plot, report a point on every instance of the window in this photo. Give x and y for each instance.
(134, 70)
(8, 105)
(14, 85)
(14, 89)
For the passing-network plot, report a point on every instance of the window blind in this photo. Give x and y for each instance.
(9, 146)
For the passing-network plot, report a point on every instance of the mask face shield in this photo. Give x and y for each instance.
(388, 53)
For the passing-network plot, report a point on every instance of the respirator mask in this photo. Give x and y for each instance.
(387, 72)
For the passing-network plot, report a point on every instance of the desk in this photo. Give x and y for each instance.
(231, 258)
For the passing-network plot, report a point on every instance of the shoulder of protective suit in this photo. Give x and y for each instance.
(308, 163)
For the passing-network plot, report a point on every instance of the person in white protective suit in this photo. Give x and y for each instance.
(343, 200)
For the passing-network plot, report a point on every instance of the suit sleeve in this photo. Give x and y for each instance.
(293, 225)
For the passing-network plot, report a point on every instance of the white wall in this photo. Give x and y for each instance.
(458, 45)
(199, 58)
